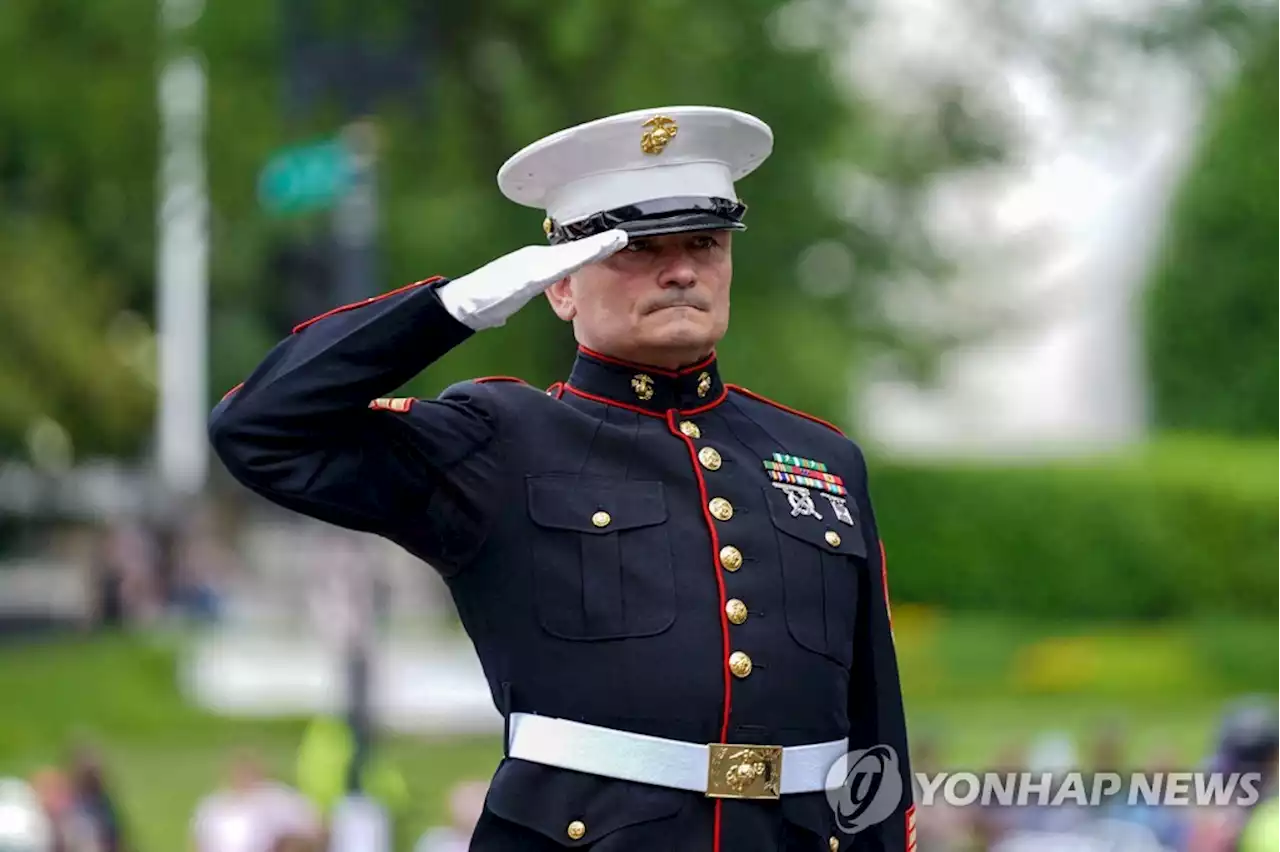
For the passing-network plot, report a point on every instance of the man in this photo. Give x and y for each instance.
(675, 587)
(254, 813)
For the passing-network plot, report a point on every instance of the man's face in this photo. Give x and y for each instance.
(661, 300)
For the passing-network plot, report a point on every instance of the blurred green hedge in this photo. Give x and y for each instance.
(1211, 307)
(1184, 527)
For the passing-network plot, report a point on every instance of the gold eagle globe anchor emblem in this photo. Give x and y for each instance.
(661, 130)
(642, 385)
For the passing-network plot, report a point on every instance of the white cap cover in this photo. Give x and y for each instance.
(645, 168)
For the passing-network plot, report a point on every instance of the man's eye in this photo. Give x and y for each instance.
(704, 242)
(636, 246)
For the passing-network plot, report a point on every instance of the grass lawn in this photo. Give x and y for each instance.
(976, 686)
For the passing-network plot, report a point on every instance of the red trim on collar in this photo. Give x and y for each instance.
(637, 409)
(786, 408)
(484, 379)
(363, 302)
(233, 390)
(556, 390)
(724, 394)
(648, 368)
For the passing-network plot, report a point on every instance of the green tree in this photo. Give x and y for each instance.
(1212, 304)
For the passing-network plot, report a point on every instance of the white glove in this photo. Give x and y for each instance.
(487, 297)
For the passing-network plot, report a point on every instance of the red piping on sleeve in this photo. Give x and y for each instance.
(364, 302)
(884, 582)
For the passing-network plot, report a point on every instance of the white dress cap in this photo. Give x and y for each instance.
(642, 156)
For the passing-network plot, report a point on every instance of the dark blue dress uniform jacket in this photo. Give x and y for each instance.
(611, 545)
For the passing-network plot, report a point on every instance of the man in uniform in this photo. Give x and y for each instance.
(675, 587)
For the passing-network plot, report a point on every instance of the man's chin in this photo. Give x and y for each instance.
(683, 328)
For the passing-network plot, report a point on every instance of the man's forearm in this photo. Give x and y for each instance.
(342, 360)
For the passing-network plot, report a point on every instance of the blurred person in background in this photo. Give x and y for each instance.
(24, 824)
(1168, 825)
(466, 803)
(940, 827)
(254, 813)
(122, 571)
(989, 822)
(203, 565)
(1247, 742)
(676, 588)
(94, 805)
(70, 830)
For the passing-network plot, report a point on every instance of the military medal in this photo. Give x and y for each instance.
(804, 472)
(800, 498)
(840, 507)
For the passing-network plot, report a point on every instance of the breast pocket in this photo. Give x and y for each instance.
(601, 558)
(822, 562)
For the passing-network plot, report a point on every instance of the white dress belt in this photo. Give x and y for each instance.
(722, 770)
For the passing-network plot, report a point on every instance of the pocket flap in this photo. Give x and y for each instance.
(547, 799)
(814, 530)
(595, 506)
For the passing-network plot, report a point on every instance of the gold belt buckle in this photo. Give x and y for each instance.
(739, 771)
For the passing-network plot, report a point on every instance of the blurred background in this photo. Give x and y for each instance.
(1033, 248)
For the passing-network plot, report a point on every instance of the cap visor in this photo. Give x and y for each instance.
(680, 223)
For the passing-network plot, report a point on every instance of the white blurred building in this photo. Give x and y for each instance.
(1055, 244)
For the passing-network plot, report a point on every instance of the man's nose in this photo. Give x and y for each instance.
(679, 273)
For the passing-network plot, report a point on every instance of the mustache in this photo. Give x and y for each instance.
(679, 300)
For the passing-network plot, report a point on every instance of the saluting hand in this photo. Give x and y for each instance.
(487, 297)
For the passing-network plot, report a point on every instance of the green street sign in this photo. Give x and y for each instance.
(304, 178)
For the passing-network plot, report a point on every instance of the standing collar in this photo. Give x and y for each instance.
(653, 390)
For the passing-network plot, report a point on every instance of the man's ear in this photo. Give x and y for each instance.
(560, 295)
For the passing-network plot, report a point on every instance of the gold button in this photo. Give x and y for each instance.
(601, 519)
(834, 844)
(721, 509)
(736, 610)
(690, 428)
(739, 664)
(710, 458)
(833, 538)
(730, 557)
(576, 830)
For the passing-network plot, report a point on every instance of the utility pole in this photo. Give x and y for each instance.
(355, 216)
(182, 258)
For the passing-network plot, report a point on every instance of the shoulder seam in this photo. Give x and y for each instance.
(366, 302)
(485, 379)
(758, 398)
